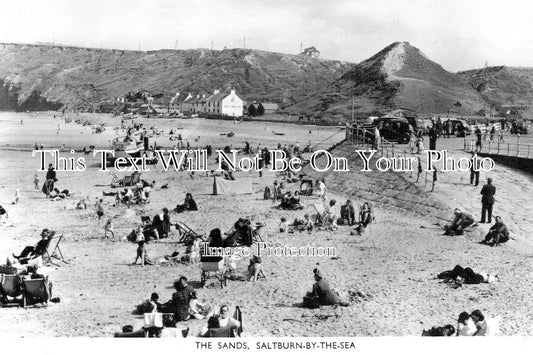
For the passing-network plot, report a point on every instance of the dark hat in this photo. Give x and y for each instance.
(489, 180)
(45, 231)
(317, 273)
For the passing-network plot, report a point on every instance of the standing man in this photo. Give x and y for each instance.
(479, 136)
(487, 201)
(433, 135)
(50, 180)
(474, 170)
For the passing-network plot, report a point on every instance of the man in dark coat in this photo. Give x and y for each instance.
(474, 170)
(48, 186)
(487, 201)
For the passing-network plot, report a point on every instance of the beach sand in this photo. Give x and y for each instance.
(393, 265)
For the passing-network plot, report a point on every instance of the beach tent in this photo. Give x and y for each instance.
(232, 187)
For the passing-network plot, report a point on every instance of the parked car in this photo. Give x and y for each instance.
(518, 127)
(458, 128)
(397, 130)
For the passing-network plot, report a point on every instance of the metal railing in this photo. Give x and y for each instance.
(516, 148)
(362, 136)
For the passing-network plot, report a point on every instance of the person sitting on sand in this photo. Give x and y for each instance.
(465, 325)
(255, 269)
(347, 214)
(188, 205)
(82, 204)
(322, 290)
(161, 222)
(461, 221)
(330, 215)
(181, 299)
(33, 252)
(497, 234)
(480, 322)
(149, 230)
(196, 309)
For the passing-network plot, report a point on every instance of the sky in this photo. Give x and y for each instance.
(457, 34)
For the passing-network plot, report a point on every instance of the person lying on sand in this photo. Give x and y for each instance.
(461, 276)
(497, 234)
(446, 331)
(461, 221)
(301, 225)
(322, 294)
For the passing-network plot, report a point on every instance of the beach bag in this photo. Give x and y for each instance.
(153, 320)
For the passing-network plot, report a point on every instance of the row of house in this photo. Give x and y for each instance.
(224, 103)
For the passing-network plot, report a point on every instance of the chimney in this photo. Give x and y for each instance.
(216, 92)
(233, 91)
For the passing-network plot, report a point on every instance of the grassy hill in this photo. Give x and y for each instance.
(399, 76)
(44, 76)
(501, 86)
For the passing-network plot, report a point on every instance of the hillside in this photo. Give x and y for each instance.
(504, 86)
(400, 75)
(43, 76)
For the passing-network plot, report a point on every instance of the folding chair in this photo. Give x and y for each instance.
(187, 235)
(319, 208)
(115, 180)
(56, 252)
(256, 234)
(35, 291)
(9, 288)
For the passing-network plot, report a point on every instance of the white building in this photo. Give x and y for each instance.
(224, 103)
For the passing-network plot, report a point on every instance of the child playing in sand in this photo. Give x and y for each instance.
(108, 228)
(283, 225)
(99, 209)
(36, 182)
(308, 223)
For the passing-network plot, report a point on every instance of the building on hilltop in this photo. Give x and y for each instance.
(311, 52)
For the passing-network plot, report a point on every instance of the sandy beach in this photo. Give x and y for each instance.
(393, 265)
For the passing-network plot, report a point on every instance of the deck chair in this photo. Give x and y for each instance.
(306, 188)
(256, 234)
(9, 287)
(132, 179)
(56, 251)
(320, 210)
(35, 291)
(141, 333)
(187, 235)
(115, 180)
